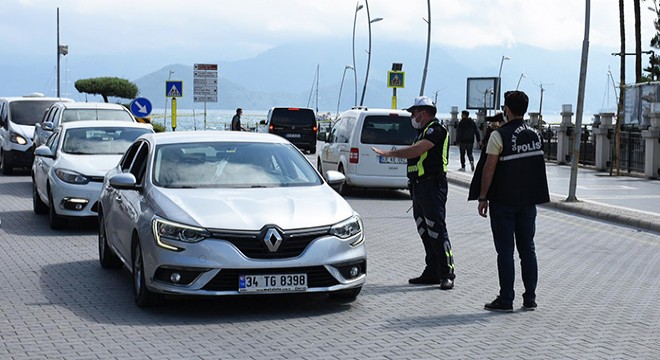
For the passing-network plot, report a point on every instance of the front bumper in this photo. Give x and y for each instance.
(212, 267)
(75, 200)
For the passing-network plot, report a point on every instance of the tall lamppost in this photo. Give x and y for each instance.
(61, 50)
(341, 86)
(366, 76)
(428, 48)
(499, 81)
(358, 7)
(522, 75)
(169, 77)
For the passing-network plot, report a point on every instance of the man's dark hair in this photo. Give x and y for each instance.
(239, 110)
(465, 112)
(516, 101)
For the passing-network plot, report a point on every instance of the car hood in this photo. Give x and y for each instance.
(251, 209)
(26, 131)
(90, 165)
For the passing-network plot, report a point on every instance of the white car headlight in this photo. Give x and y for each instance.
(164, 229)
(349, 228)
(18, 139)
(71, 177)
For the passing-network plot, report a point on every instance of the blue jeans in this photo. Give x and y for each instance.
(429, 200)
(515, 225)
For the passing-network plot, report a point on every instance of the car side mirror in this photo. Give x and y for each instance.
(44, 151)
(262, 122)
(335, 179)
(47, 125)
(124, 181)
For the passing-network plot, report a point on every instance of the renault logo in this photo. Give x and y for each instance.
(272, 239)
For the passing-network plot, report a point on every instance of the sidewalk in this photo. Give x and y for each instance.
(626, 200)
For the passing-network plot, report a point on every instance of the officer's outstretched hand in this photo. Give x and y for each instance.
(483, 208)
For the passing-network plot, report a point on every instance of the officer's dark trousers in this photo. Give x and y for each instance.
(429, 200)
(514, 227)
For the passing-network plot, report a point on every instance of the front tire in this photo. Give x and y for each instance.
(143, 296)
(108, 259)
(38, 205)
(55, 221)
(4, 165)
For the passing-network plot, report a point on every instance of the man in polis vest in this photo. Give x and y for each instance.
(427, 178)
(512, 183)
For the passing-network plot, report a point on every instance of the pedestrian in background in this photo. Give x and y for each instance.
(236, 121)
(466, 132)
(427, 181)
(514, 181)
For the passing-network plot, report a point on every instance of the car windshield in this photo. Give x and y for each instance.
(95, 114)
(29, 112)
(231, 165)
(100, 140)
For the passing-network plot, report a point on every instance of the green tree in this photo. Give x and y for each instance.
(654, 60)
(107, 86)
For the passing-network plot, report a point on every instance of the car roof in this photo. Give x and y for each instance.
(179, 137)
(92, 105)
(34, 98)
(104, 123)
(374, 111)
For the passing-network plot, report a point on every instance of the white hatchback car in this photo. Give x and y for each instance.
(347, 148)
(68, 170)
(228, 213)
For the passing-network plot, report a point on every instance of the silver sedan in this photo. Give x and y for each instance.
(228, 213)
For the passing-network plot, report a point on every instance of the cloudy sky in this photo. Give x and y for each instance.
(193, 30)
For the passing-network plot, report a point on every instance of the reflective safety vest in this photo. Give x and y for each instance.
(434, 161)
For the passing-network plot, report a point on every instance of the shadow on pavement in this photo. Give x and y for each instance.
(109, 300)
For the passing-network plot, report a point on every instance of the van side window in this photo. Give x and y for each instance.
(3, 114)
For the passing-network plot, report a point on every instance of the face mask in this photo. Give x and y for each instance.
(414, 122)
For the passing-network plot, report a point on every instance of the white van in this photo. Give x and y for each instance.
(18, 115)
(347, 148)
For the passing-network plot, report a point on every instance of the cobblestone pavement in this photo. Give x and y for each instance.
(598, 293)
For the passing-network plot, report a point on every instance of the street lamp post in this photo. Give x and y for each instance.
(366, 76)
(522, 75)
(499, 81)
(61, 50)
(358, 7)
(341, 86)
(428, 48)
(169, 77)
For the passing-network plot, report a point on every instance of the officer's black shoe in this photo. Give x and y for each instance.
(424, 280)
(447, 284)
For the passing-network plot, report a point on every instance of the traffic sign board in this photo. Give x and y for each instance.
(141, 107)
(205, 83)
(174, 88)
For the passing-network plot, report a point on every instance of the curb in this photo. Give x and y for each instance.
(627, 217)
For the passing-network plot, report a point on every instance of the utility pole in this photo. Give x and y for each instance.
(428, 48)
(580, 106)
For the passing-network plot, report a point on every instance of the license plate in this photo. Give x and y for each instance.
(272, 283)
(391, 160)
(293, 136)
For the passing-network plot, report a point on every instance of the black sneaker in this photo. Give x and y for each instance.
(447, 284)
(497, 305)
(424, 280)
(529, 305)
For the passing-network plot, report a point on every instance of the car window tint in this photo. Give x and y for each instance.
(100, 140)
(28, 112)
(288, 117)
(140, 164)
(95, 114)
(387, 129)
(53, 141)
(224, 164)
(127, 160)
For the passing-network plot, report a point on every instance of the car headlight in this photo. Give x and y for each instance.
(164, 229)
(18, 139)
(71, 177)
(349, 228)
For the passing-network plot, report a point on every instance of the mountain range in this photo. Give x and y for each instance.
(286, 75)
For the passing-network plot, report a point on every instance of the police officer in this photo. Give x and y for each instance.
(427, 176)
(513, 182)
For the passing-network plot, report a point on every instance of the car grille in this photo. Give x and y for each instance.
(251, 243)
(227, 279)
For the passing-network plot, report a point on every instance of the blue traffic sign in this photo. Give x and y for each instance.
(174, 88)
(141, 107)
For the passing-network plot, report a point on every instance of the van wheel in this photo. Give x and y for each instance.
(6, 167)
(312, 150)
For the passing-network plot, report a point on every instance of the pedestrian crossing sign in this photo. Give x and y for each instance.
(396, 79)
(174, 88)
